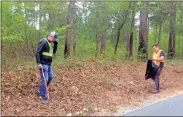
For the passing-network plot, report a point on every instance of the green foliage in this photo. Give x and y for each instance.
(12, 21)
(176, 61)
(25, 23)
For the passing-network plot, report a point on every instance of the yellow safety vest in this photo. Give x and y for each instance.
(157, 55)
(50, 53)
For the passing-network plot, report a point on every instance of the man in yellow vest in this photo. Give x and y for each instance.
(158, 58)
(47, 47)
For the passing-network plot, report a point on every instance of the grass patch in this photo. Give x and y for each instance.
(175, 61)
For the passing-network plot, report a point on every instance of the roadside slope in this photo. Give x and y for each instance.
(88, 88)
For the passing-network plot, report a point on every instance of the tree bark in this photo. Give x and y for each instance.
(69, 30)
(74, 40)
(156, 33)
(102, 42)
(74, 30)
(121, 26)
(171, 47)
(127, 37)
(143, 34)
(130, 41)
(97, 36)
(159, 35)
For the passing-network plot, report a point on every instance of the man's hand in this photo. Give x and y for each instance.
(40, 67)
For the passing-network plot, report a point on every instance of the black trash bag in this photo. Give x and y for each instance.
(151, 69)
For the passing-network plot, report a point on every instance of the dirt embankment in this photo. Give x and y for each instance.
(88, 89)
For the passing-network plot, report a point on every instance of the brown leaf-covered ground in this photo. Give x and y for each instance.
(84, 89)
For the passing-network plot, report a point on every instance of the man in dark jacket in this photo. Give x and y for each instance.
(47, 47)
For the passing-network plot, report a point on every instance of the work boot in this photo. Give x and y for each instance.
(146, 77)
(155, 91)
(45, 101)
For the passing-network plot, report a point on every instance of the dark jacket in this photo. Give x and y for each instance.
(151, 69)
(44, 47)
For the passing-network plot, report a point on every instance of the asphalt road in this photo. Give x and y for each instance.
(169, 107)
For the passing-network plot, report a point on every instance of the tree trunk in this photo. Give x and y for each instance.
(97, 37)
(40, 23)
(127, 37)
(131, 45)
(74, 40)
(130, 41)
(143, 34)
(121, 26)
(156, 33)
(74, 31)
(102, 42)
(25, 51)
(50, 21)
(159, 35)
(69, 30)
(171, 47)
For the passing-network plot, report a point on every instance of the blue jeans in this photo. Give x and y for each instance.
(48, 73)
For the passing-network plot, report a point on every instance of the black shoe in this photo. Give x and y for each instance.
(155, 91)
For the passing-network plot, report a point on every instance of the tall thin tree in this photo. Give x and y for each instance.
(143, 33)
(130, 40)
(69, 30)
(121, 26)
(171, 46)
